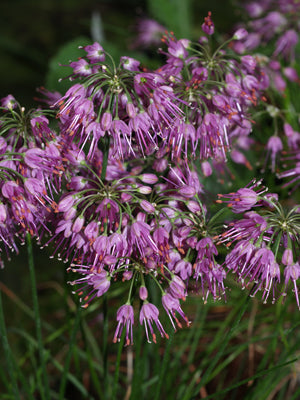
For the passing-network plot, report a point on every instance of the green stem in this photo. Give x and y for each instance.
(37, 317)
(105, 345)
(7, 352)
(118, 362)
(69, 355)
(164, 367)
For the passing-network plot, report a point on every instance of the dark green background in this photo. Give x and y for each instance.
(32, 32)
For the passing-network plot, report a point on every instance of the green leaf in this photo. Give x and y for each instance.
(174, 14)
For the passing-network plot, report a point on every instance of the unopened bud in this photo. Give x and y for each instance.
(240, 34)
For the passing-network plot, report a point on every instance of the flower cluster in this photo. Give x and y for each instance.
(196, 104)
(273, 31)
(265, 243)
(272, 20)
(117, 184)
(29, 173)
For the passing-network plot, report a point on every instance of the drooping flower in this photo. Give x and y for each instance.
(125, 319)
(148, 316)
(172, 306)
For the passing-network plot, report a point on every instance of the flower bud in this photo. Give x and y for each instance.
(240, 34)
(126, 197)
(148, 178)
(287, 257)
(78, 224)
(130, 110)
(147, 206)
(143, 293)
(106, 121)
(66, 203)
(187, 191)
(144, 189)
(206, 168)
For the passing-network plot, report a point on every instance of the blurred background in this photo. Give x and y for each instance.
(36, 35)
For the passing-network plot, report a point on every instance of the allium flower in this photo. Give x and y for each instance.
(141, 239)
(272, 19)
(266, 273)
(8, 102)
(244, 199)
(274, 146)
(286, 44)
(240, 34)
(177, 288)
(114, 189)
(81, 67)
(95, 284)
(292, 273)
(294, 173)
(125, 318)
(149, 315)
(149, 33)
(206, 270)
(251, 227)
(172, 306)
(95, 52)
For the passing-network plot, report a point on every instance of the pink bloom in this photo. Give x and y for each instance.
(172, 306)
(292, 273)
(149, 315)
(95, 52)
(125, 318)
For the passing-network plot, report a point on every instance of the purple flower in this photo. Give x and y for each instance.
(40, 127)
(172, 306)
(149, 315)
(149, 33)
(293, 172)
(240, 34)
(250, 227)
(3, 213)
(95, 284)
(95, 52)
(177, 288)
(287, 257)
(292, 273)
(291, 74)
(183, 269)
(206, 168)
(285, 45)
(140, 238)
(81, 67)
(109, 213)
(125, 318)
(106, 121)
(239, 257)
(130, 63)
(66, 203)
(244, 199)
(208, 26)
(8, 102)
(143, 293)
(274, 146)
